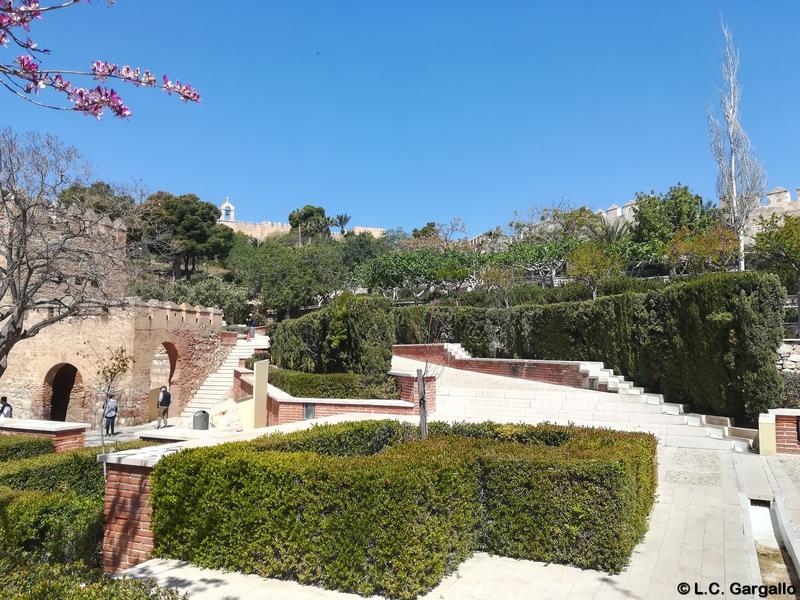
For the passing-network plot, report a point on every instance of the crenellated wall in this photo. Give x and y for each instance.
(54, 375)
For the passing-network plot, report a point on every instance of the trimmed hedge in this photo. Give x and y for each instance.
(59, 526)
(14, 447)
(22, 578)
(334, 385)
(354, 334)
(360, 508)
(76, 471)
(709, 342)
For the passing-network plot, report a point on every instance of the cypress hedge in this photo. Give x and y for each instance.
(13, 447)
(334, 385)
(58, 526)
(365, 508)
(354, 334)
(75, 471)
(708, 342)
(23, 578)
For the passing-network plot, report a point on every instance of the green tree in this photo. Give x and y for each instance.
(99, 197)
(212, 291)
(191, 228)
(341, 221)
(593, 264)
(696, 252)
(309, 222)
(357, 249)
(245, 263)
(777, 245)
(543, 260)
(657, 217)
(297, 277)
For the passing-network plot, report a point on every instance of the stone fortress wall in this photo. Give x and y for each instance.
(779, 202)
(264, 229)
(54, 375)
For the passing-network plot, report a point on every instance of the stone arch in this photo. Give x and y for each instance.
(64, 394)
(163, 370)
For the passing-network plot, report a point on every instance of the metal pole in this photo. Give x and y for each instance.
(423, 416)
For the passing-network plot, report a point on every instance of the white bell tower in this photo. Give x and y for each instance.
(227, 212)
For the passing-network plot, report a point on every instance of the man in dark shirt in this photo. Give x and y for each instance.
(163, 402)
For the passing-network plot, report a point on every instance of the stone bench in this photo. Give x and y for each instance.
(65, 435)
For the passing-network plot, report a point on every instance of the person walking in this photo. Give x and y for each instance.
(251, 327)
(112, 407)
(164, 400)
(5, 408)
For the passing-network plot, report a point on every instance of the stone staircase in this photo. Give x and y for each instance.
(217, 385)
(608, 400)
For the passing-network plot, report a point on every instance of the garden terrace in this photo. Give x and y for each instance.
(507, 489)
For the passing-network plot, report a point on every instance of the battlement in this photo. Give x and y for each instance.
(782, 198)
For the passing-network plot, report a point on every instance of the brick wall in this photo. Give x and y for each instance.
(279, 412)
(128, 538)
(786, 434)
(242, 388)
(534, 370)
(62, 440)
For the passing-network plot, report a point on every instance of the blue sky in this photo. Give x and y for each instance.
(404, 112)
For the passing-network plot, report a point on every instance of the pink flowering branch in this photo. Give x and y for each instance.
(25, 76)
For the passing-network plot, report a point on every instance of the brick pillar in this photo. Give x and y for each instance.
(786, 434)
(128, 538)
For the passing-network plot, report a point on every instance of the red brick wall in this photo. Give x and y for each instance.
(62, 440)
(561, 374)
(228, 338)
(241, 388)
(279, 413)
(128, 538)
(786, 434)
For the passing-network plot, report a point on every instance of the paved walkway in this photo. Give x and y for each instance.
(699, 534)
(131, 432)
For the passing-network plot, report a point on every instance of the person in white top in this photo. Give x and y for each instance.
(112, 407)
(5, 408)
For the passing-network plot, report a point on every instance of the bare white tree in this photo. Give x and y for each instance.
(55, 263)
(741, 180)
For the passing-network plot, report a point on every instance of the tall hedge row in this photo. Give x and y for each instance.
(365, 508)
(51, 526)
(353, 335)
(13, 447)
(710, 342)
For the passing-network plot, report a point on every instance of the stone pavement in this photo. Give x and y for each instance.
(128, 433)
(699, 533)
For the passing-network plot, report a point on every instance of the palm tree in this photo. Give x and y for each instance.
(341, 221)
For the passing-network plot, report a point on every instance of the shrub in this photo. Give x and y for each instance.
(22, 578)
(257, 357)
(77, 471)
(791, 384)
(343, 439)
(62, 526)
(13, 447)
(351, 507)
(333, 385)
(354, 334)
(709, 342)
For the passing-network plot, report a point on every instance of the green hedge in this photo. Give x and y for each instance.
(354, 334)
(360, 508)
(14, 447)
(59, 526)
(23, 578)
(334, 385)
(709, 342)
(76, 471)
